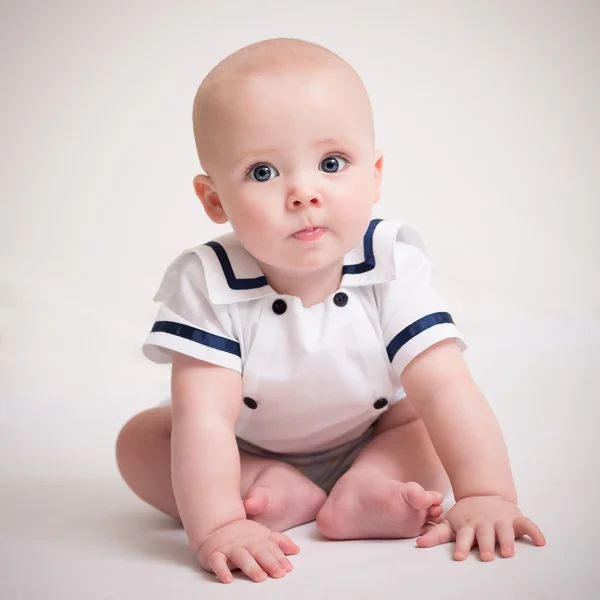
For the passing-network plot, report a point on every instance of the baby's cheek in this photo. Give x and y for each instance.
(256, 217)
(244, 209)
(254, 226)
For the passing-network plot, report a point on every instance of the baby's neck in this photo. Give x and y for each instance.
(312, 287)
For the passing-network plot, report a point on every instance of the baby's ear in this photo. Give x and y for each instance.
(205, 190)
(378, 174)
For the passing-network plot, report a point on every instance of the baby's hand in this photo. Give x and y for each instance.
(249, 546)
(481, 520)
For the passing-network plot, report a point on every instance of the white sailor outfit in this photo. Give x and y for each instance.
(313, 377)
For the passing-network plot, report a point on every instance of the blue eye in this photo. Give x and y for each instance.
(263, 172)
(331, 164)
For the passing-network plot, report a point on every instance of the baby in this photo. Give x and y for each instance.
(315, 373)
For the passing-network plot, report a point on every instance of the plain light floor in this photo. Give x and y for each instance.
(70, 528)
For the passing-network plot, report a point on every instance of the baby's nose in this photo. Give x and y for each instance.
(302, 195)
(300, 202)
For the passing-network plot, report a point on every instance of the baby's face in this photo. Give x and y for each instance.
(294, 168)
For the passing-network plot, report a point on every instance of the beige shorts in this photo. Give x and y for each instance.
(324, 467)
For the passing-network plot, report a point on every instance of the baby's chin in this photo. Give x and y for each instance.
(302, 265)
(293, 258)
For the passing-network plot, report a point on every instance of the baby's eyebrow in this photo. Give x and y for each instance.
(341, 142)
(332, 141)
(255, 154)
(260, 153)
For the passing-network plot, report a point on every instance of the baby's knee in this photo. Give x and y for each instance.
(127, 443)
(139, 434)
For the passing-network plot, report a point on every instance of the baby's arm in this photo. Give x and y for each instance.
(205, 467)
(205, 463)
(460, 422)
(468, 440)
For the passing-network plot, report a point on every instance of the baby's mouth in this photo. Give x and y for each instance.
(309, 234)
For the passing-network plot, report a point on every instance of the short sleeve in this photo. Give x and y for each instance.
(188, 323)
(413, 317)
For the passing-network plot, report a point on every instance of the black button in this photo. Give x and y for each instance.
(380, 403)
(340, 299)
(279, 307)
(250, 403)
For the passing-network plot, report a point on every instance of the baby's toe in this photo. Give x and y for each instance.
(437, 520)
(417, 496)
(256, 501)
(435, 511)
(438, 497)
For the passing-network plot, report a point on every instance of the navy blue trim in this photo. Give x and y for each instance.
(369, 263)
(232, 281)
(417, 327)
(199, 336)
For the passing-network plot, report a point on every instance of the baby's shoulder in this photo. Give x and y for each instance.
(407, 235)
(405, 263)
(192, 265)
(221, 269)
(226, 245)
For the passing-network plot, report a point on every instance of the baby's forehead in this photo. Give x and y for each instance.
(275, 64)
(271, 108)
(275, 76)
(290, 88)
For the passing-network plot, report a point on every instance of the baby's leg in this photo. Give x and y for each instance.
(394, 487)
(279, 496)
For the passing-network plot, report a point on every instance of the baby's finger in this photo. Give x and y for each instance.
(267, 560)
(524, 526)
(486, 540)
(217, 561)
(241, 558)
(280, 556)
(465, 539)
(284, 542)
(427, 527)
(506, 538)
(440, 534)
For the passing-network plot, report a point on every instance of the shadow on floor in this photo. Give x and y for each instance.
(102, 515)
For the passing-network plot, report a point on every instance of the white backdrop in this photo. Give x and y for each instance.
(487, 113)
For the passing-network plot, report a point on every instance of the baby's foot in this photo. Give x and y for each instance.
(282, 498)
(362, 507)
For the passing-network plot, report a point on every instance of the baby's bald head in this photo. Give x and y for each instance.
(280, 57)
